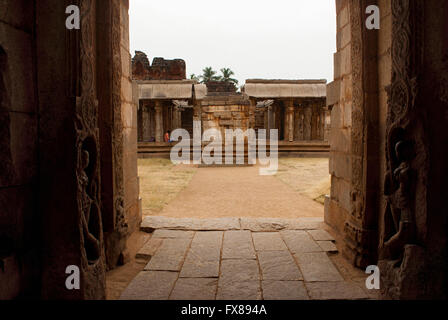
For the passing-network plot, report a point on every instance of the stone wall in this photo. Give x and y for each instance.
(355, 139)
(132, 200)
(225, 112)
(339, 98)
(78, 84)
(161, 69)
(18, 150)
(386, 137)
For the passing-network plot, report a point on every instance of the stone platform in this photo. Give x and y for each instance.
(239, 259)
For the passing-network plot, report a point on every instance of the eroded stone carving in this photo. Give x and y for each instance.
(399, 190)
(402, 258)
(87, 165)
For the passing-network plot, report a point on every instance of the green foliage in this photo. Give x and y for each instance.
(227, 74)
(208, 74)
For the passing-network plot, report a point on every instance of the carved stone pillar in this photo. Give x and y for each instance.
(177, 117)
(299, 124)
(327, 124)
(314, 122)
(265, 117)
(140, 123)
(270, 113)
(290, 121)
(159, 121)
(146, 123)
(307, 123)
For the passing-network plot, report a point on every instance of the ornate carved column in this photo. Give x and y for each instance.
(159, 121)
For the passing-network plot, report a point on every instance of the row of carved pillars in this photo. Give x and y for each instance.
(304, 122)
(150, 120)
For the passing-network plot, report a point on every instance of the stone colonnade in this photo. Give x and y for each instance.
(155, 117)
(298, 119)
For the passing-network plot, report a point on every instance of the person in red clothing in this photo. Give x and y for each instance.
(167, 136)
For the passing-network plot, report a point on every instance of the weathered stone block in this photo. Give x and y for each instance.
(277, 224)
(278, 265)
(203, 257)
(335, 291)
(172, 234)
(336, 118)
(321, 235)
(340, 164)
(194, 289)
(345, 36)
(347, 120)
(126, 89)
(342, 18)
(335, 216)
(284, 290)
(149, 248)
(151, 223)
(337, 65)
(150, 285)
(242, 290)
(340, 191)
(238, 245)
(333, 92)
(328, 246)
(169, 256)
(299, 241)
(316, 266)
(239, 271)
(346, 62)
(268, 241)
(340, 141)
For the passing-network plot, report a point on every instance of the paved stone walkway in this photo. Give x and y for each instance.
(239, 259)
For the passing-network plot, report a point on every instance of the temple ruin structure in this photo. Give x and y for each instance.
(168, 101)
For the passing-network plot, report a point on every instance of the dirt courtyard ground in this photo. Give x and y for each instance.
(187, 191)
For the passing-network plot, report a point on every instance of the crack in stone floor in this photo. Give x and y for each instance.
(239, 259)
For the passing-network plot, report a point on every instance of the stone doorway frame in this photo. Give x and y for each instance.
(363, 227)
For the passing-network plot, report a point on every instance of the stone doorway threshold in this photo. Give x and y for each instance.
(243, 259)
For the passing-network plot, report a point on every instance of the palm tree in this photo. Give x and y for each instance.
(227, 73)
(208, 74)
(195, 77)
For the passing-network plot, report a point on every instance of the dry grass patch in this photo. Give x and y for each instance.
(160, 182)
(309, 176)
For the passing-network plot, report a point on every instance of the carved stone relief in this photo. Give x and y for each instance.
(404, 224)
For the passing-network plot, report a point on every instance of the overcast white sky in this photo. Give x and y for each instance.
(270, 39)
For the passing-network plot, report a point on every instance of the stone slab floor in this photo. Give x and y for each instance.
(243, 259)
